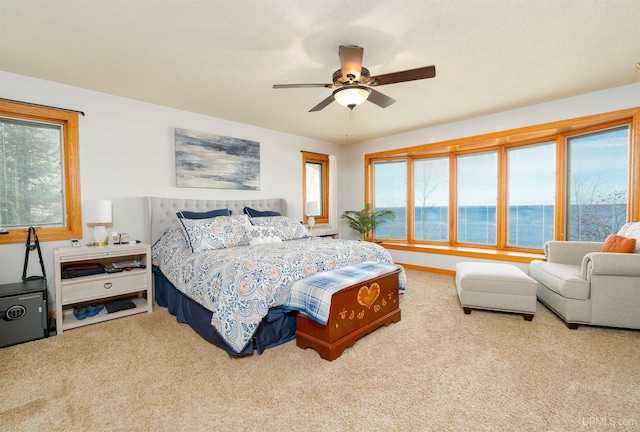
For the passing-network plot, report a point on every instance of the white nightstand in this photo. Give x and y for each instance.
(325, 232)
(104, 287)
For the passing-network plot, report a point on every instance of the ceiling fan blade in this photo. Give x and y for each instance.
(408, 75)
(322, 104)
(379, 99)
(281, 86)
(350, 61)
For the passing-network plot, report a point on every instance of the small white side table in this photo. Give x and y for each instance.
(324, 232)
(134, 283)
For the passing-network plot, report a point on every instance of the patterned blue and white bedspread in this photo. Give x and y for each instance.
(312, 295)
(240, 284)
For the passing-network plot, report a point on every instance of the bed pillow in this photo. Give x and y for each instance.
(618, 244)
(256, 213)
(286, 227)
(216, 233)
(262, 235)
(203, 215)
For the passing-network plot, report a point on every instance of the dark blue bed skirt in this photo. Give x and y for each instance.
(276, 328)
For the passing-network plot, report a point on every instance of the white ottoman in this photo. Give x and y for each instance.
(499, 287)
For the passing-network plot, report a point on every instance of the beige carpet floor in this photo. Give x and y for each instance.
(436, 370)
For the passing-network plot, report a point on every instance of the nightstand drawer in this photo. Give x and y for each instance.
(103, 286)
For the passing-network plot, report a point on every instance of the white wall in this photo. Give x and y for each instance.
(352, 174)
(127, 151)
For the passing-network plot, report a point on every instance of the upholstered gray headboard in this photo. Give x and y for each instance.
(160, 213)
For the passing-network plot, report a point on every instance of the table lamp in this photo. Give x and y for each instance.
(98, 214)
(311, 209)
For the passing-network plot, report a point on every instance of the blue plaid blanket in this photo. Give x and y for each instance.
(312, 295)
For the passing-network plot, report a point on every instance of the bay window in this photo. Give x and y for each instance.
(510, 192)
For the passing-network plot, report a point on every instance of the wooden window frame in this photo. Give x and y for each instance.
(323, 160)
(501, 141)
(68, 120)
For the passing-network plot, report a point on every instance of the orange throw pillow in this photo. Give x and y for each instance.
(619, 244)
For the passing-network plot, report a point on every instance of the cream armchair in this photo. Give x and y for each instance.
(585, 286)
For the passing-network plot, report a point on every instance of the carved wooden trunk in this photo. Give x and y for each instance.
(355, 312)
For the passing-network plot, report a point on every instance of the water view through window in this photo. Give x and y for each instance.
(477, 198)
(431, 199)
(531, 191)
(598, 181)
(512, 191)
(390, 179)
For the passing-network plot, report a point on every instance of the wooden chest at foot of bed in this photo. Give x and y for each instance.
(355, 312)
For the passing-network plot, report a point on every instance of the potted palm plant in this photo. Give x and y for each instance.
(365, 220)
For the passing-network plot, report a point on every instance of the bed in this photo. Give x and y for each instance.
(236, 296)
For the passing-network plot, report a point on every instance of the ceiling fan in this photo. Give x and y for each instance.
(353, 83)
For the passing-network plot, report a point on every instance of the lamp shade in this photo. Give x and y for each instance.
(312, 208)
(351, 96)
(98, 212)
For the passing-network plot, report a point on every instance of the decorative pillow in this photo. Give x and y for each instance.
(619, 244)
(216, 233)
(256, 213)
(624, 229)
(262, 235)
(203, 215)
(286, 227)
(632, 230)
(242, 218)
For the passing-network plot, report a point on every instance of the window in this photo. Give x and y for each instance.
(39, 172)
(597, 179)
(431, 199)
(315, 175)
(477, 198)
(505, 194)
(390, 179)
(531, 191)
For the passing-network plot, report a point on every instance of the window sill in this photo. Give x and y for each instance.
(15, 236)
(499, 255)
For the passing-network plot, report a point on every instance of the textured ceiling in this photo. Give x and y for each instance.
(221, 58)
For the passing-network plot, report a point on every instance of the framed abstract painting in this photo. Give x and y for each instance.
(206, 160)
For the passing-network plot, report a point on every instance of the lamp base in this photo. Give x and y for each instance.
(311, 222)
(100, 237)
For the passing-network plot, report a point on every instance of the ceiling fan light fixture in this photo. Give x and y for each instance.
(351, 96)
(353, 84)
